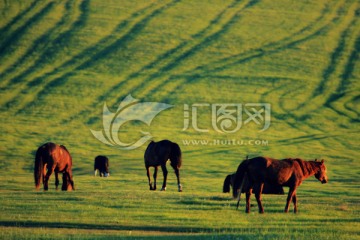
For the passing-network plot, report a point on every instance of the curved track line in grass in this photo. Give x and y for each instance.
(134, 28)
(125, 31)
(172, 56)
(310, 137)
(22, 83)
(288, 42)
(217, 26)
(343, 89)
(5, 47)
(171, 59)
(354, 99)
(33, 60)
(177, 51)
(321, 24)
(331, 81)
(287, 116)
(302, 118)
(306, 33)
(276, 110)
(8, 28)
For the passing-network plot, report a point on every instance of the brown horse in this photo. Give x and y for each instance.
(157, 154)
(287, 172)
(50, 158)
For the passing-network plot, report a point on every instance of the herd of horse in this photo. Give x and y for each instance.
(259, 175)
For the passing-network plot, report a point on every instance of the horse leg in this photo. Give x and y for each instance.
(64, 182)
(44, 173)
(177, 173)
(56, 179)
(258, 197)
(70, 178)
(294, 199)
(165, 172)
(289, 198)
(148, 175)
(248, 195)
(47, 176)
(155, 176)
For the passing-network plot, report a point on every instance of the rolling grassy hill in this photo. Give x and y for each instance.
(60, 61)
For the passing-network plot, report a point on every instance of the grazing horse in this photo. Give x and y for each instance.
(287, 172)
(268, 189)
(102, 165)
(157, 154)
(50, 158)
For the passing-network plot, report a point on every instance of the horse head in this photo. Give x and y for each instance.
(321, 172)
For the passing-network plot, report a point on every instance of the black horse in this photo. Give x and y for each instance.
(157, 154)
(268, 189)
(102, 165)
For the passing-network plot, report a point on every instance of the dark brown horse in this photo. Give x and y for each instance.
(50, 158)
(287, 172)
(157, 154)
(268, 189)
(101, 164)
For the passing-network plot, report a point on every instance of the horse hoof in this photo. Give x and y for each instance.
(163, 189)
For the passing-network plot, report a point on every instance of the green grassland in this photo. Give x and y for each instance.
(60, 61)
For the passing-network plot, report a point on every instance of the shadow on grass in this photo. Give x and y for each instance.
(84, 226)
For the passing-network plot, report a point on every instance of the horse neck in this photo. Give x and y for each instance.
(309, 168)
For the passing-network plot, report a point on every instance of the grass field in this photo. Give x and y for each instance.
(60, 61)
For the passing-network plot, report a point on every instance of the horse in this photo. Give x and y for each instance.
(50, 158)
(101, 164)
(157, 154)
(287, 172)
(268, 189)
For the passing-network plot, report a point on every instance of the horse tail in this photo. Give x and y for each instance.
(39, 167)
(176, 155)
(148, 152)
(239, 179)
(107, 164)
(227, 182)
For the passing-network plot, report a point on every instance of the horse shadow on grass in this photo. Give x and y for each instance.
(86, 226)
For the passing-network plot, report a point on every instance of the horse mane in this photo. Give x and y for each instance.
(63, 147)
(307, 167)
